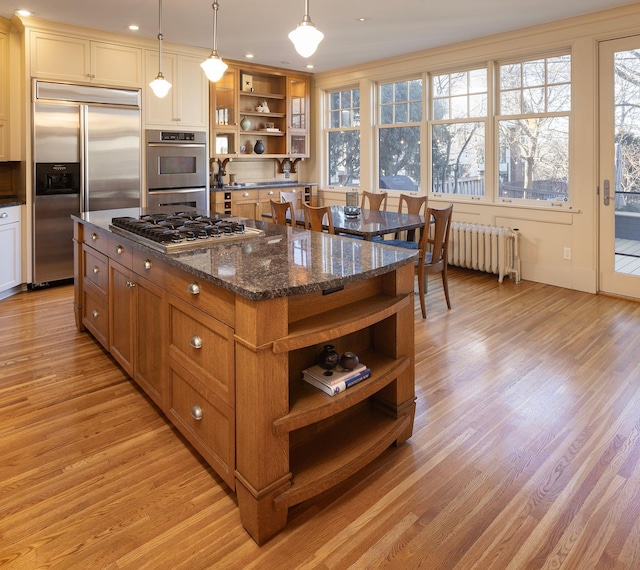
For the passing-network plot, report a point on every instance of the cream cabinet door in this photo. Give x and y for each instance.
(192, 93)
(60, 57)
(117, 65)
(186, 104)
(10, 246)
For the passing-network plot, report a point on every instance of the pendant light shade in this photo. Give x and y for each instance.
(213, 66)
(160, 86)
(306, 36)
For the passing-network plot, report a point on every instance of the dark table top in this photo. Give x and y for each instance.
(369, 223)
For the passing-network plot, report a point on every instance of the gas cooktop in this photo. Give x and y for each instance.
(180, 231)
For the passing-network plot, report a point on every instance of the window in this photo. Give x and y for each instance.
(344, 138)
(533, 129)
(400, 108)
(458, 127)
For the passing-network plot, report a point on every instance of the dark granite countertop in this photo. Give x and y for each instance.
(284, 261)
(8, 201)
(261, 185)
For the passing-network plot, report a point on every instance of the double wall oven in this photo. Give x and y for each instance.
(177, 169)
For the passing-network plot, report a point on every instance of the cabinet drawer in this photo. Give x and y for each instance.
(9, 215)
(246, 195)
(149, 266)
(95, 314)
(204, 346)
(95, 268)
(114, 247)
(204, 420)
(202, 294)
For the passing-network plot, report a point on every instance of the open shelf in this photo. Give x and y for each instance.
(262, 95)
(340, 321)
(309, 405)
(333, 455)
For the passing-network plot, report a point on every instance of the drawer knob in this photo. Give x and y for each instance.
(245, 194)
(119, 249)
(270, 193)
(94, 236)
(4, 215)
(193, 288)
(196, 341)
(96, 269)
(196, 412)
(131, 284)
(94, 314)
(147, 264)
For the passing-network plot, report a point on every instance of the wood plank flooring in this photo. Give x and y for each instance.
(525, 451)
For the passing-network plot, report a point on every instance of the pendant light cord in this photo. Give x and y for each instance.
(160, 38)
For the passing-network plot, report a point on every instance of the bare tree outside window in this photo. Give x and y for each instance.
(533, 129)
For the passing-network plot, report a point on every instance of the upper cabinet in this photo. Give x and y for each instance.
(298, 116)
(255, 108)
(77, 60)
(187, 103)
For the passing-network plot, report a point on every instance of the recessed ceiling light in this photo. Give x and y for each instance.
(24, 13)
(249, 56)
(310, 66)
(361, 19)
(134, 28)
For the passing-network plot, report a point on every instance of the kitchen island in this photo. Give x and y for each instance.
(218, 337)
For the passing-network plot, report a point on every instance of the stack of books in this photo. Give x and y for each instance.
(334, 381)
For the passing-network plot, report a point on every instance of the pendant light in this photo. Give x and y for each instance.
(160, 86)
(306, 36)
(213, 66)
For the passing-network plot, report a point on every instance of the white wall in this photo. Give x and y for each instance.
(545, 231)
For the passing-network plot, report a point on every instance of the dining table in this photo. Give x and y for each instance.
(368, 224)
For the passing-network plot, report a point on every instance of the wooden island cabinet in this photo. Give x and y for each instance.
(218, 338)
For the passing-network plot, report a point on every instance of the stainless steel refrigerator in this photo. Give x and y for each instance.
(87, 157)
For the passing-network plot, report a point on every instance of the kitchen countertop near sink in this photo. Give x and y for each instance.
(262, 185)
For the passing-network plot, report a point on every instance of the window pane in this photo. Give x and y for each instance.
(459, 107)
(559, 98)
(478, 105)
(458, 83)
(399, 156)
(534, 158)
(440, 109)
(401, 94)
(345, 99)
(415, 90)
(344, 158)
(440, 85)
(533, 100)
(386, 115)
(559, 69)
(335, 119)
(510, 76)
(402, 113)
(415, 112)
(533, 73)
(478, 81)
(510, 103)
(386, 93)
(458, 158)
(334, 99)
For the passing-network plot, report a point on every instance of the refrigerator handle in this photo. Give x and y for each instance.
(84, 158)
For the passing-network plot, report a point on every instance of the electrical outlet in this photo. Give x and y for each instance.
(567, 253)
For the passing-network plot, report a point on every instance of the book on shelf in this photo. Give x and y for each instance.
(335, 375)
(336, 386)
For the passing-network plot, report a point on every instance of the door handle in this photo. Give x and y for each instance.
(607, 192)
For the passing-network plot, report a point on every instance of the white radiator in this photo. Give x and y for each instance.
(492, 249)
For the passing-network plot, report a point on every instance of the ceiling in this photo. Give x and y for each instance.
(261, 27)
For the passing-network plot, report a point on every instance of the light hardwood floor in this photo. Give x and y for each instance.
(525, 451)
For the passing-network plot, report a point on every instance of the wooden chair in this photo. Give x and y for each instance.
(435, 260)
(414, 205)
(279, 213)
(313, 218)
(375, 200)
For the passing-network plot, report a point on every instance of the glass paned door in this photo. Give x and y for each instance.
(619, 197)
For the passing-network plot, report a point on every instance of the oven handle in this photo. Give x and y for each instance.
(176, 190)
(177, 145)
